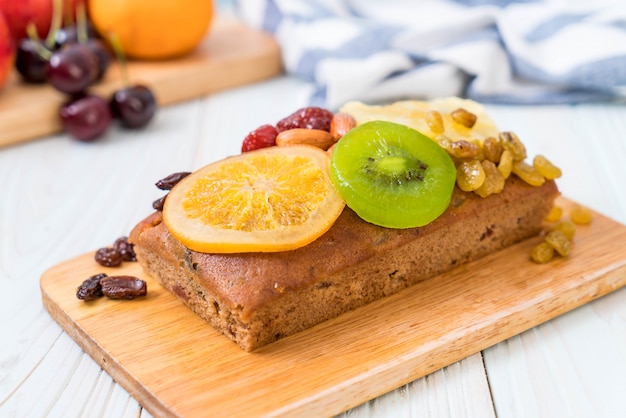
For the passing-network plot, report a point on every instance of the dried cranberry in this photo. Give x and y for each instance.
(125, 248)
(91, 288)
(172, 180)
(262, 137)
(308, 118)
(123, 287)
(108, 257)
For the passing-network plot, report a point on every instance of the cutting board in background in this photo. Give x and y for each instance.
(175, 364)
(231, 55)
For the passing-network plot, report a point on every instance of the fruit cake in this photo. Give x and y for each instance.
(256, 296)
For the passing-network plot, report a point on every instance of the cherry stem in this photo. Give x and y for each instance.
(81, 22)
(57, 21)
(31, 31)
(121, 58)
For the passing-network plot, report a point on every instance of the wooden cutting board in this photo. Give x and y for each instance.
(231, 55)
(175, 364)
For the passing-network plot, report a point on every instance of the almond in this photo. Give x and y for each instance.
(340, 124)
(301, 136)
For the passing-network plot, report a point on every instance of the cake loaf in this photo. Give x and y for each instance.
(257, 298)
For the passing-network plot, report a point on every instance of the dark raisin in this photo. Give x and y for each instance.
(125, 248)
(108, 257)
(172, 180)
(158, 204)
(123, 287)
(91, 289)
(307, 118)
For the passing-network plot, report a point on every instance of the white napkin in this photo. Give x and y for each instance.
(493, 51)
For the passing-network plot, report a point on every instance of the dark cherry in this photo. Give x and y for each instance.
(72, 69)
(86, 118)
(69, 34)
(102, 54)
(29, 63)
(134, 105)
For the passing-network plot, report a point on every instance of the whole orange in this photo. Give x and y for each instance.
(149, 29)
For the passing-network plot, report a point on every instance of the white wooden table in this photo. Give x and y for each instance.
(61, 198)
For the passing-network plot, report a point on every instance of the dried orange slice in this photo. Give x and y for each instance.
(272, 199)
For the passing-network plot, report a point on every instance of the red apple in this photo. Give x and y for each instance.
(7, 51)
(20, 12)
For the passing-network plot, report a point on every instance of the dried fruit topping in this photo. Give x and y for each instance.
(567, 228)
(494, 182)
(542, 253)
(528, 173)
(125, 248)
(112, 256)
(463, 117)
(512, 143)
(262, 137)
(91, 289)
(123, 287)
(172, 180)
(158, 204)
(580, 215)
(308, 118)
(470, 175)
(108, 257)
(559, 242)
(561, 235)
(546, 168)
(505, 166)
(435, 122)
(555, 214)
(492, 149)
(275, 199)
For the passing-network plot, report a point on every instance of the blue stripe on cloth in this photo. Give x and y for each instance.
(362, 46)
(545, 30)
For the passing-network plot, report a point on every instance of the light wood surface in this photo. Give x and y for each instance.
(159, 350)
(231, 55)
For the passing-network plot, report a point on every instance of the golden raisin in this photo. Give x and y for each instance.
(546, 168)
(567, 228)
(555, 214)
(527, 173)
(435, 121)
(506, 163)
(511, 142)
(494, 182)
(559, 242)
(492, 149)
(580, 215)
(470, 175)
(542, 253)
(464, 117)
(463, 149)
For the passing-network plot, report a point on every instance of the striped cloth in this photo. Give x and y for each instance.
(493, 51)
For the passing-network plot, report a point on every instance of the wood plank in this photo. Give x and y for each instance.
(231, 55)
(174, 364)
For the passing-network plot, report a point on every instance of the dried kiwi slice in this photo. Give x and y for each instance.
(392, 175)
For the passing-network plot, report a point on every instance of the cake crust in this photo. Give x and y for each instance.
(258, 298)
